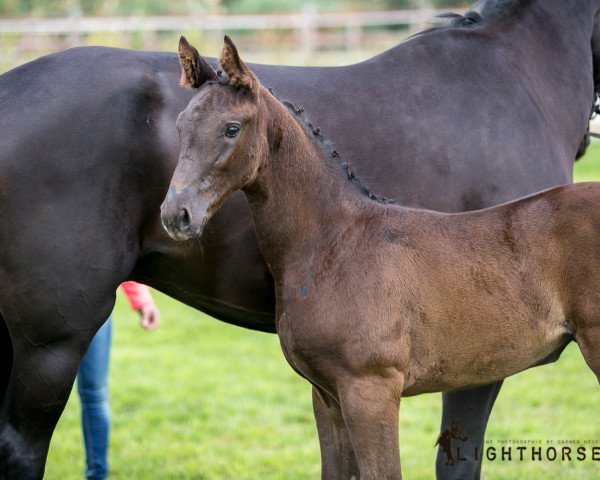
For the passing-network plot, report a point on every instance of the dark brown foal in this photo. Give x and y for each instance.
(377, 301)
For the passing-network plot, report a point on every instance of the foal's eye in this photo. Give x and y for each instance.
(232, 130)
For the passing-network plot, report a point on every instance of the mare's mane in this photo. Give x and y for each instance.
(482, 13)
(485, 12)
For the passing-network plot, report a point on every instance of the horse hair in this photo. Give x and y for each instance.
(481, 13)
(485, 11)
(329, 151)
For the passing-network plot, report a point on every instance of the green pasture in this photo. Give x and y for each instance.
(199, 399)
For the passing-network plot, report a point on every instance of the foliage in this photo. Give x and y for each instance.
(102, 7)
(450, 3)
(33, 7)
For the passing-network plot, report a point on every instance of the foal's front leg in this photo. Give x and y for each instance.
(338, 461)
(370, 406)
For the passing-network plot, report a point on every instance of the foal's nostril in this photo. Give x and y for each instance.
(184, 219)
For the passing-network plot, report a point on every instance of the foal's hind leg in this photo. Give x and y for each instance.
(588, 340)
(370, 410)
(586, 315)
(338, 461)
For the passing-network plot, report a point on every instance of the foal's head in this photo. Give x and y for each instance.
(222, 140)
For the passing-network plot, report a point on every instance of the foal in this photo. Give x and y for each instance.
(377, 301)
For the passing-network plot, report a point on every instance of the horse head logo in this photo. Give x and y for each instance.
(452, 431)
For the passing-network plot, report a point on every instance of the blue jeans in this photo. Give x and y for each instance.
(92, 385)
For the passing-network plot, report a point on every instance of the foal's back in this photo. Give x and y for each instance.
(479, 296)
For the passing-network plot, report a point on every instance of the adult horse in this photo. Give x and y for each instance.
(455, 119)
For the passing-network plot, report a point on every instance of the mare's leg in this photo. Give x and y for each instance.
(338, 461)
(472, 409)
(51, 327)
(6, 358)
(38, 390)
(370, 409)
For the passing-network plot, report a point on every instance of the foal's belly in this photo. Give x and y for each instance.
(477, 352)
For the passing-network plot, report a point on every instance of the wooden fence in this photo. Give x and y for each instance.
(306, 20)
(306, 31)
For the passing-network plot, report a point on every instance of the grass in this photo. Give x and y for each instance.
(199, 399)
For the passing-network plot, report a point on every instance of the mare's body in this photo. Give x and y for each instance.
(451, 120)
(378, 301)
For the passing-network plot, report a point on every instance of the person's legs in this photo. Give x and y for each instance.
(92, 385)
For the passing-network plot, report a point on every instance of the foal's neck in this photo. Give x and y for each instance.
(301, 199)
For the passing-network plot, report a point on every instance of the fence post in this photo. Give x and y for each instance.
(308, 31)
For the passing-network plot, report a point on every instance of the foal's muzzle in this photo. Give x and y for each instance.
(183, 214)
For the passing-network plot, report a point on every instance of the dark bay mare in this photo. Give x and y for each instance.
(492, 108)
(378, 301)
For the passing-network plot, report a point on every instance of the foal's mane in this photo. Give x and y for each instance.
(328, 151)
(481, 13)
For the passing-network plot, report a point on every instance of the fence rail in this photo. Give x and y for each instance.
(314, 20)
(339, 37)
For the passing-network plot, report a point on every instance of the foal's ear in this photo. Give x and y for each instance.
(239, 74)
(194, 69)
